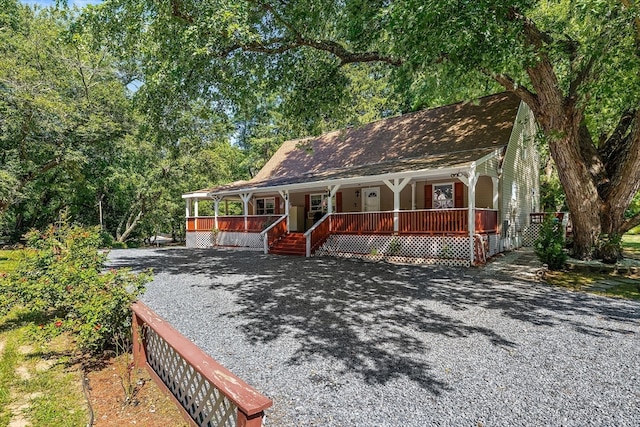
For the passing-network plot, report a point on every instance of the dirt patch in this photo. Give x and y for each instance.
(148, 406)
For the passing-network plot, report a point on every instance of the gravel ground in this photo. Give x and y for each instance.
(339, 342)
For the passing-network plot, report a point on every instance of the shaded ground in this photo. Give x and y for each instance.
(336, 342)
(149, 406)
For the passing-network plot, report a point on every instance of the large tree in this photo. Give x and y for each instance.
(576, 63)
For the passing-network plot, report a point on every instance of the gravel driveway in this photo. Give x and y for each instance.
(339, 342)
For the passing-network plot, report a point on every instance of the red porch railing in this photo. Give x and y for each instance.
(486, 221)
(255, 223)
(317, 234)
(362, 222)
(429, 221)
(433, 221)
(274, 232)
(206, 392)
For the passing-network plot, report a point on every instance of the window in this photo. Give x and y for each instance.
(266, 206)
(443, 196)
(318, 203)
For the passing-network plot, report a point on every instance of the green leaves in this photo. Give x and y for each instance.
(61, 279)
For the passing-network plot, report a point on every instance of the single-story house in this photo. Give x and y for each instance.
(452, 185)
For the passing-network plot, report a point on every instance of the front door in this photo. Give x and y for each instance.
(371, 199)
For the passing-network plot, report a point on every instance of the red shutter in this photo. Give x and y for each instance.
(307, 204)
(276, 209)
(339, 201)
(428, 196)
(458, 195)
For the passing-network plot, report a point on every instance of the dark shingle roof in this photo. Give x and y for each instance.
(438, 137)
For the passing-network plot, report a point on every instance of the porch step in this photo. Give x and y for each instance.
(291, 244)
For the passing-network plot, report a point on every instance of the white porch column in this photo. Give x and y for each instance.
(245, 200)
(216, 209)
(187, 211)
(195, 207)
(494, 181)
(413, 196)
(396, 187)
(332, 192)
(471, 194)
(285, 197)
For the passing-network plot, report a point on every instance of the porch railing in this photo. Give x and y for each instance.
(362, 222)
(428, 221)
(274, 232)
(254, 223)
(539, 217)
(317, 234)
(206, 392)
(433, 221)
(486, 221)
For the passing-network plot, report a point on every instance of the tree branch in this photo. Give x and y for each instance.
(521, 91)
(630, 223)
(279, 45)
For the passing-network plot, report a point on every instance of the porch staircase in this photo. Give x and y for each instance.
(290, 244)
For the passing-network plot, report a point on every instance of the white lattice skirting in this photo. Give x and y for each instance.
(447, 250)
(235, 238)
(205, 239)
(199, 239)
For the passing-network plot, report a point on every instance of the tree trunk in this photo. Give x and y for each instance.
(130, 226)
(583, 200)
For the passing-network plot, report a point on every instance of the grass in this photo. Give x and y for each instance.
(583, 281)
(631, 245)
(38, 380)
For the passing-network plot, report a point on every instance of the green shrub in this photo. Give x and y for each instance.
(61, 277)
(549, 247)
(119, 245)
(609, 248)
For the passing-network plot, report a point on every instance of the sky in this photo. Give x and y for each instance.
(79, 3)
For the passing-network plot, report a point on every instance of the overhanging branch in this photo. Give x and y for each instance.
(296, 40)
(521, 91)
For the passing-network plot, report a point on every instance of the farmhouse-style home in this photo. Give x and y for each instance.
(453, 185)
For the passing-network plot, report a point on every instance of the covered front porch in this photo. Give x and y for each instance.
(448, 216)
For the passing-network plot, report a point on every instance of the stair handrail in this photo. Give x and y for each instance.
(310, 231)
(264, 235)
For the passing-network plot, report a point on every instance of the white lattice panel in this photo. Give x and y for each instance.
(234, 238)
(204, 403)
(199, 239)
(530, 234)
(449, 250)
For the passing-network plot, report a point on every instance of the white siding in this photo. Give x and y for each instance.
(519, 189)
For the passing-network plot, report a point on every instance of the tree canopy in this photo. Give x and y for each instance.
(216, 76)
(576, 63)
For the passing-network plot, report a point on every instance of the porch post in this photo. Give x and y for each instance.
(187, 211)
(396, 187)
(471, 194)
(216, 208)
(413, 196)
(195, 212)
(496, 195)
(245, 200)
(332, 192)
(285, 197)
